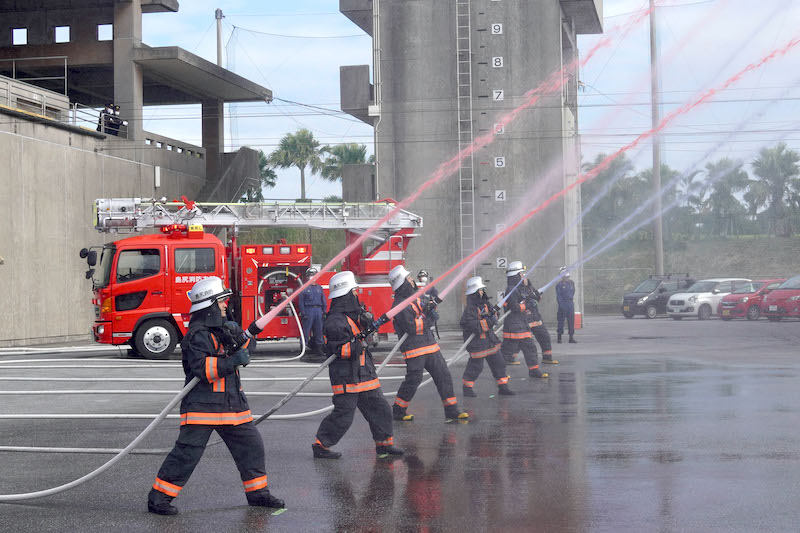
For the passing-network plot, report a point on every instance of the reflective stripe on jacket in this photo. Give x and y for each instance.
(485, 341)
(353, 370)
(417, 324)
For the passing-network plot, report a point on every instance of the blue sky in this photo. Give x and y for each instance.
(702, 42)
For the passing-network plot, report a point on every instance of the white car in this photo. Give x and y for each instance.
(702, 298)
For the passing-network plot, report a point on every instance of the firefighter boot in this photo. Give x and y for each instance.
(572, 340)
(558, 340)
(263, 498)
(158, 503)
(399, 414)
(469, 392)
(511, 360)
(320, 452)
(536, 373)
(548, 360)
(388, 450)
(452, 412)
(503, 390)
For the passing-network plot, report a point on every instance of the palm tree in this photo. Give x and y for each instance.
(266, 180)
(777, 171)
(725, 177)
(340, 155)
(299, 150)
(608, 190)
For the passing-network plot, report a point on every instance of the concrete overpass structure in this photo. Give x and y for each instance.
(61, 62)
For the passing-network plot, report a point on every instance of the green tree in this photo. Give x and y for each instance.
(641, 190)
(776, 170)
(608, 191)
(725, 177)
(267, 180)
(340, 155)
(299, 150)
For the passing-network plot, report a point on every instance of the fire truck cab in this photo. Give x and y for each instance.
(141, 283)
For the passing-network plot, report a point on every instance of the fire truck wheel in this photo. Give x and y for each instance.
(156, 339)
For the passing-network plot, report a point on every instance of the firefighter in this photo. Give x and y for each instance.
(565, 292)
(311, 303)
(420, 349)
(532, 297)
(216, 403)
(478, 319)
(432, 293)
(353, 376)
(516, 330)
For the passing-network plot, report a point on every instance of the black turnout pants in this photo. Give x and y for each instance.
(496, 364)
(243, 441)
(543, 338)
(372, 405)
(528, 347)
(437, 367)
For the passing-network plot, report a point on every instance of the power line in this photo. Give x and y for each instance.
(288, 36)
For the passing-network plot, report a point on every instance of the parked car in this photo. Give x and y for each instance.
(745, 302)
(651, 296)
(702, 298)
(784, 301)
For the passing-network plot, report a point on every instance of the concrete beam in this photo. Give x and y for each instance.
(358, 183)
(356, 92)
(148, 6)
(587, 15)
(359, 12)
(213, 124)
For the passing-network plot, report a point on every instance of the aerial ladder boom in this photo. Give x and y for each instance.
(128, 215)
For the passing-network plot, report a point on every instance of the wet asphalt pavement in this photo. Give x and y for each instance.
(645, 425)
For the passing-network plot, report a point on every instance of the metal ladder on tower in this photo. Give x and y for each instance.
(466, 169)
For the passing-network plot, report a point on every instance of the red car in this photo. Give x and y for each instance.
(783, 301)
(745, 302)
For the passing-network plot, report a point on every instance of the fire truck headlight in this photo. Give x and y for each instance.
(101, 329)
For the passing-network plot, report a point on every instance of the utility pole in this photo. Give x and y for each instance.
(658, 228)
(218, 16)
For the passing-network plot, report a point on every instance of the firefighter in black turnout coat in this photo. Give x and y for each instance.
(420, 349)
(531, 296)
(216, 403)
(478, 319)
(353, 376)
(516, 328)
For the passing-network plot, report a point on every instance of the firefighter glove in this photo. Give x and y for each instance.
(241, 358)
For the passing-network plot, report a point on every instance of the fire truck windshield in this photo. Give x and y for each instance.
(102, 273)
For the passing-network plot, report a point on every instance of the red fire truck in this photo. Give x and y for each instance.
(141, 283)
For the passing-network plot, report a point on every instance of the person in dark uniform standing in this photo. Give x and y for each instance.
(565, 292)
(478, 320)
(353, 376)
(516, 330)
(532, 297)
(420, 349)
(216, 403)
(311, 304)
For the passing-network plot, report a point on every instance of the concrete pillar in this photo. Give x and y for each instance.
(128, 79)
(213, 122)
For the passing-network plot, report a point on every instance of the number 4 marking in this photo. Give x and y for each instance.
(499, 195)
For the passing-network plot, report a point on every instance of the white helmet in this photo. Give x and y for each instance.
(207, 291)
(341, 283)
(564, 271)
(473, 284)
(397, 276)
(514, 268)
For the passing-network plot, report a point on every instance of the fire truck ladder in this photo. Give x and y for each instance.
(466, 169)
(127, 215)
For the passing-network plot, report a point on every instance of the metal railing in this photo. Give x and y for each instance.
(17, 61)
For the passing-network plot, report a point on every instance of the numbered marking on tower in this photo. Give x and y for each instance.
(497, 29)
(499, 195)
(499, 227)
(498, 94)
(501, 262)
(499, 129)
(497, 62)
(500, 162)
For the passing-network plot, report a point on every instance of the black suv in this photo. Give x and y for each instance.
(651, 296)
